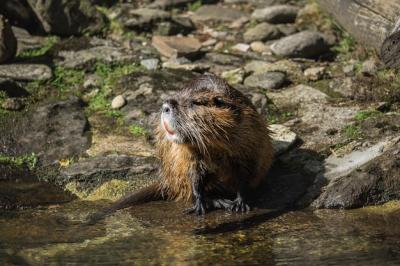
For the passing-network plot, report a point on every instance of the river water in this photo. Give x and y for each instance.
(158, 233)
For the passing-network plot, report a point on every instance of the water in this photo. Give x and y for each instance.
(158, 233)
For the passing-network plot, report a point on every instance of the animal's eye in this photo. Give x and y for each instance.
(218, 101)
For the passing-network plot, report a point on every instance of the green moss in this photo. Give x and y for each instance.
(29, 160)
(67, 79)
(137, 130)
(346, 44)
(352, 131)
(48, 44)
(194, 6)
(365, 114)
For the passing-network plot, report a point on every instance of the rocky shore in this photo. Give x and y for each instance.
(81, 83)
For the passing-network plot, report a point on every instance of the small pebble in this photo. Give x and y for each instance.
(118, 102)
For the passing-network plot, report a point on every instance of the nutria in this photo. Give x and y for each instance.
(214, 148)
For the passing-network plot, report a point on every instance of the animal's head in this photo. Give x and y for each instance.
(204, 114)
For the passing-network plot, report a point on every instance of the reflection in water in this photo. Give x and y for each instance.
(158, 232)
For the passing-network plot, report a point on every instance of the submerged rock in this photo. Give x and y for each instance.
(8, 42)
(307, 44)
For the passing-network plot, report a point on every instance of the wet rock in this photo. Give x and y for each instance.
(276, 14)
(262, 32)
(282, 138)
(314, 73)
(144, 18)
(233, 76)
(12, 104)
(150, 64)
(118, 102)
(92, 172)
(53, 131)
(176, 46)
(307, 44)
(369, 68)
(363, 177)
(241, 47)
(26, 72)
(8, 42)
(68, 17)
(28, 192)
(217, 13)
(259, 47)
(266, 80)
(88, 57)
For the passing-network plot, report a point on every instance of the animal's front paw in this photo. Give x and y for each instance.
(198, 208)
(239, 205)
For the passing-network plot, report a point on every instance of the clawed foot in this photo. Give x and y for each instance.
(239, 205)
(198, 208)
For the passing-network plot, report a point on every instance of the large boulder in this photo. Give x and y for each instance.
(68, 17)
(8, 42)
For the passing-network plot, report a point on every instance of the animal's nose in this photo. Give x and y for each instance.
(166, 108)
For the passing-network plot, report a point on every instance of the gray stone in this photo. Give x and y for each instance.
(8, 42)
(92, 81)
(217, 13)
(53, 131)
(150, 64)
(262, 32)
(314, 73)
(167, 4)
(223, 59)
(276, 14)
(282, 138)
(266, 80)
(364, 177)
(144, 18)
(87, 58)
(68, 17)
(369, 68)
(259, 47)
(306, 44)
(241, 47)
(233, 76)
(26, 72)
(177, 25)
(118, 102)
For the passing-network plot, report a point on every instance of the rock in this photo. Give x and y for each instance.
(223, 59)
(144, 18)
(12, 88)
(262, 32)
(286, 29)
(26, 72)
(349, 68)
(291, 68)
(167, 4)
(12, 104)
(259, 47)
(8, 42)
(217, 13)
(266, 80)
(314, 73)
(176, 63)
(86, 58)
(233, 76)
(92, 172)
(369, 68)
(176, 46)
(118, 102)
(150, 64)
(282, 138)
(260, 101)
(239, 23)
(276, 14)
(68, 17)
(177, 25)
(91, 82)
(241, 47)
(306, 44)
(53, 131)
(364, 177)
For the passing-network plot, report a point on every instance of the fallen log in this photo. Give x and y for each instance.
(373, 23)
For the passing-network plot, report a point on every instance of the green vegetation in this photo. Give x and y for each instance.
(114, 26)
(194, 6)
(352, 131)
(29, 160)
(137, 130)
(346, 44)
(67, 79)
(365, 114)
(114, 113)
(48, 44)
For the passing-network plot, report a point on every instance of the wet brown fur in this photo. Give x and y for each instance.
(234, 145)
